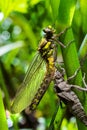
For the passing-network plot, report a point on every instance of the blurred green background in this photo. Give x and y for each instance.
(21, 25)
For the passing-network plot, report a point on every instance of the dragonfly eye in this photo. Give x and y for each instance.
(48, 32)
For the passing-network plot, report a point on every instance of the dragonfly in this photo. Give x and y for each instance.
(39, 74)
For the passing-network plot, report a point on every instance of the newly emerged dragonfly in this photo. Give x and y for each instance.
(39, 75)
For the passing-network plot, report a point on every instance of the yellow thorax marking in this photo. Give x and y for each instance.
(47, 45)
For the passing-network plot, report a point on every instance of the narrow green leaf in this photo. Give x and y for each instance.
(83, 55)
(66, 12)
(3, 122)
(55, 6)
(83, 8)
(59, 117)
(10, 47)
(24, 24)
(15, 118)
(8, 6)
(53, 117)
(70, 57)
(33, 2)
(83, 49)
(71, 62)
(3, 86)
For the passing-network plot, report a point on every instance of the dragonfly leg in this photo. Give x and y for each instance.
(65, 46)
(78, 87)
(61, 69)
(74, 75)
(59, 42)
(62, 32)
(84, 81)
(68, 44)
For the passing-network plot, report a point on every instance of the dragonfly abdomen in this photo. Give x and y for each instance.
(44, 85)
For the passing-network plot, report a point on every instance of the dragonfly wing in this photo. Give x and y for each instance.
(30, 85)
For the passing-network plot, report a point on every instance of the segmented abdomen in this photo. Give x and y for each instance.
(77, 109)
(44, 85)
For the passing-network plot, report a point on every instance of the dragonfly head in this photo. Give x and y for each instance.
(49, 31)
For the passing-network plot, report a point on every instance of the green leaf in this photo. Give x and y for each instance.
(4, 88)
(70, 57)
(66, 12)
(71, 63)
(33, 2)
(83, 48)
(55, 6)
(9, 51)
(28, 32)
(15, 118)
(83, 56)
(7, 6)
(3, 122)
(83, 8)
(10, 47)
(59, 117)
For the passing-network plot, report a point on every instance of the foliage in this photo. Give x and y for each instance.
(21, 24)
(9, 6)
(2, 115)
